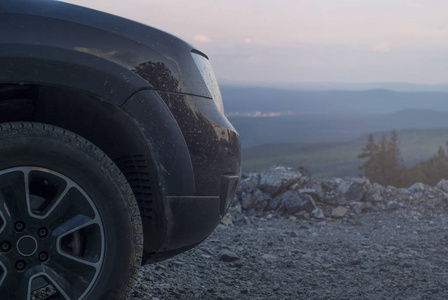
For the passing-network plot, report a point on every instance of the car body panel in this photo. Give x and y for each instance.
(154, 84)
(212, 141)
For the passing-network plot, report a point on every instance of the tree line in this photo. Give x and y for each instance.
(383, 164)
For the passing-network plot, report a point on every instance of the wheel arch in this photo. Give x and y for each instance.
(109, 128)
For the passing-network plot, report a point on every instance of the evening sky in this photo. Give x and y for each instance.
(300, 41)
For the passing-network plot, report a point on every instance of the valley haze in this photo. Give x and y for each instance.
(277, 118)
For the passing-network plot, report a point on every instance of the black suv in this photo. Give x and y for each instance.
(114, 150)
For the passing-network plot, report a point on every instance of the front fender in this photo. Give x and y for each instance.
(165, 140)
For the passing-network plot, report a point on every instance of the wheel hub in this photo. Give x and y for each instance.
(27, 245)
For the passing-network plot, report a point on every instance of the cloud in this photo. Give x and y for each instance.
(201, 38)
(253, 59)
(381, 47)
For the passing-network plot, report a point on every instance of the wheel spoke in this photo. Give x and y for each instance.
(84, 245)
(3, 222)
(71, 276)
(77, 230)
(72, 212)
(15, 285)
(73, 224)
(13, 200)
(44, 190)
(60, 287)
(3, 271)
(51, 206)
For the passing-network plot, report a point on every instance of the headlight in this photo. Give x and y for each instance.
(206, 70)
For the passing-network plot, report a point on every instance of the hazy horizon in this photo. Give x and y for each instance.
(344, 86)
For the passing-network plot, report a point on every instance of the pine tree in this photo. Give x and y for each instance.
(394, 163)
(369, 151)
(434, 169)
(384, 164)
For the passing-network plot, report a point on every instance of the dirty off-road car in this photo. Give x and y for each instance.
(114, 150)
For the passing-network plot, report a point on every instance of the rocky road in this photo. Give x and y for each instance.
(292, 236)
(381, 255)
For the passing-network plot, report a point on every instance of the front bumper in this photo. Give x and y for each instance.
(198, 157)
(192, 219)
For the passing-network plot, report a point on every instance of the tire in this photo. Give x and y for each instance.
(70, 227)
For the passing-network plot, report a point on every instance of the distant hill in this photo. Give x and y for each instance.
(356, 86)
(324, 130)
(328, 116)
(330, 128)
(340, 158)
(376, 101)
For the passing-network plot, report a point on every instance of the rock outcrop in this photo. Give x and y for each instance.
(286, 191)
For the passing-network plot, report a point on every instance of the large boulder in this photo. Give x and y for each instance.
(247, 200)
(249, 183)
(358, 189)
(375, 193)
(292, 202)
(418, 187)
(360, 207)
(255, 203)
(339, 212)
(340, 191)
(261, 201)
(443, 185)
(277, 179)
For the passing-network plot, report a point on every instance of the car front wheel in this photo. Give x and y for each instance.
(69, 224)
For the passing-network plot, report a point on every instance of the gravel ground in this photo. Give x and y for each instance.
(384, 255)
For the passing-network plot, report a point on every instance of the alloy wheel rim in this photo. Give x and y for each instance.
(51, 235)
